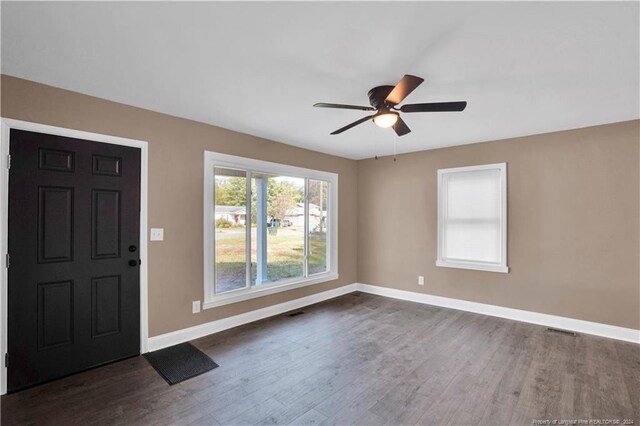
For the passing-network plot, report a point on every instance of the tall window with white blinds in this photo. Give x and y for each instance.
(472, 217)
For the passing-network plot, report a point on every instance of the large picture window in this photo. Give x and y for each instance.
(472, 217)
(268, 227)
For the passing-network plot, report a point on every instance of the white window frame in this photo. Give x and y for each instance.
(442, 204)
(213, 160)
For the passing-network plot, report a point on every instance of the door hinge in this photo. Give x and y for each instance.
(9, 161)
(8, 260)
(6, 359)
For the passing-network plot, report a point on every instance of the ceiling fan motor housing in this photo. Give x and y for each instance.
(377, 97)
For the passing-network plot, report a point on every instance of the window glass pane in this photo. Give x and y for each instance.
(474, 195)
(473, 241)
(473, 216)
(277, 234)
(230, 241)
(318, 196)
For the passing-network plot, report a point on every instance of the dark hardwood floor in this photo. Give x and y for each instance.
(360, 359)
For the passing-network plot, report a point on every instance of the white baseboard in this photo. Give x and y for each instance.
(586, 327)
(186, 334)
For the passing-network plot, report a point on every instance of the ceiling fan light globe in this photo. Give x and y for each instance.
(385, 119)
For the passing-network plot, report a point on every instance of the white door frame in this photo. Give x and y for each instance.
(8, 124)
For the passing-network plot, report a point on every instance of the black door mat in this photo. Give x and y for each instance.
(180, 362)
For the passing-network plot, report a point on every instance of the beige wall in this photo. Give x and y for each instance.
(175, 191)
(573, 214)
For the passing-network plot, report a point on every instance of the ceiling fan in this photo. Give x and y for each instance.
(384, 100)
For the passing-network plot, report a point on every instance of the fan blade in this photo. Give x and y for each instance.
(354, 124)
(406, 85)
(401, 127)
(435, 107)
(341, 106)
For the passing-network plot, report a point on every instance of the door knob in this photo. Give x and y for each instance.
(133, 262)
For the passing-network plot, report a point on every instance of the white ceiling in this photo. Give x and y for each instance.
(258, 68)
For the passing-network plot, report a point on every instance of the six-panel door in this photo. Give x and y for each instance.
(74, 230)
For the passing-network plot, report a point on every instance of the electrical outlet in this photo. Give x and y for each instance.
(157, 234)
(420, 280)
(196, 306)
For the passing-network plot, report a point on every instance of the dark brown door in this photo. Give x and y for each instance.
(74, 230)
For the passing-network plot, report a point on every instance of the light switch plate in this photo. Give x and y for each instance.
(196, 306)
(156, 234)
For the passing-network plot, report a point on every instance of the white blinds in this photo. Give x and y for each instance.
(471, 218)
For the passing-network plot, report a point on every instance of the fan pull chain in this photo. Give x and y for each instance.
(395, 142)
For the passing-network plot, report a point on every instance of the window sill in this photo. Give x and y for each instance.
(474, 266)
(247, 294)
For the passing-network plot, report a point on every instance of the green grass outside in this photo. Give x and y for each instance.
(284, 259)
